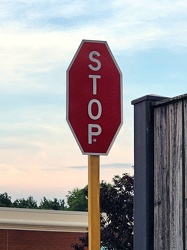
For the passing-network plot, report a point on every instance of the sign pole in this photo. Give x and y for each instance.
(94, 202)
(91, 75)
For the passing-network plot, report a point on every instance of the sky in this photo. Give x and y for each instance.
(38, 39)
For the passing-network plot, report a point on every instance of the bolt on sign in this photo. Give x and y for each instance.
(94, 97)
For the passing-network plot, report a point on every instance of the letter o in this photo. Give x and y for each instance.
(94, 117)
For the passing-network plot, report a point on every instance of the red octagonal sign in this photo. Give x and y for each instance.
(94, 97)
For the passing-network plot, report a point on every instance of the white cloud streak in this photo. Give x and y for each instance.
(27, 46)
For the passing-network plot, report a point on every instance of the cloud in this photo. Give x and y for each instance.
(33, 44)
(104, 166)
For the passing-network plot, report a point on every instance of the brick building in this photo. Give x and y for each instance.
(34, 229)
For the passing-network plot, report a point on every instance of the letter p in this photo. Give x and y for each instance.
(93, 130)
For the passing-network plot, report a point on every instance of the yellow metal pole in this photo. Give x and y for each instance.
(94, 202)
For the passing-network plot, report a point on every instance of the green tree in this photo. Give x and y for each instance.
(77, 200)
(54, 204)
(5, 200)
(117, 221)
(25, 203)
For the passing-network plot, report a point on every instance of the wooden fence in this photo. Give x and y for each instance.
(161, 158)
(170, 168)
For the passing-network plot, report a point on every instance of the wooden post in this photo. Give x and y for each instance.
(94, 202)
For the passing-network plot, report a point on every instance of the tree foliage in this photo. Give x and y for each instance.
(5, 200)
(117, 203)
(54, 204)
(25, 203)
(77, 200)
(116, 215)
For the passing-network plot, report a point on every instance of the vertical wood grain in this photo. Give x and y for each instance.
(168, 177)
(176, 176)
(185, 170)
(161, 178)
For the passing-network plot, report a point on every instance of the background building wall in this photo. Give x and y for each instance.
(37, 240)
(36, 229)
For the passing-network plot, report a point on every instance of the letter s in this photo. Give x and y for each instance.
(94, 53)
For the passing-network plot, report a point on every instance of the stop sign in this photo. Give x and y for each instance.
(94, 97)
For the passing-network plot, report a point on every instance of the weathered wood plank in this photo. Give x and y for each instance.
(161, 178)
(176, 176)
(185, 171)
(168, 170)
